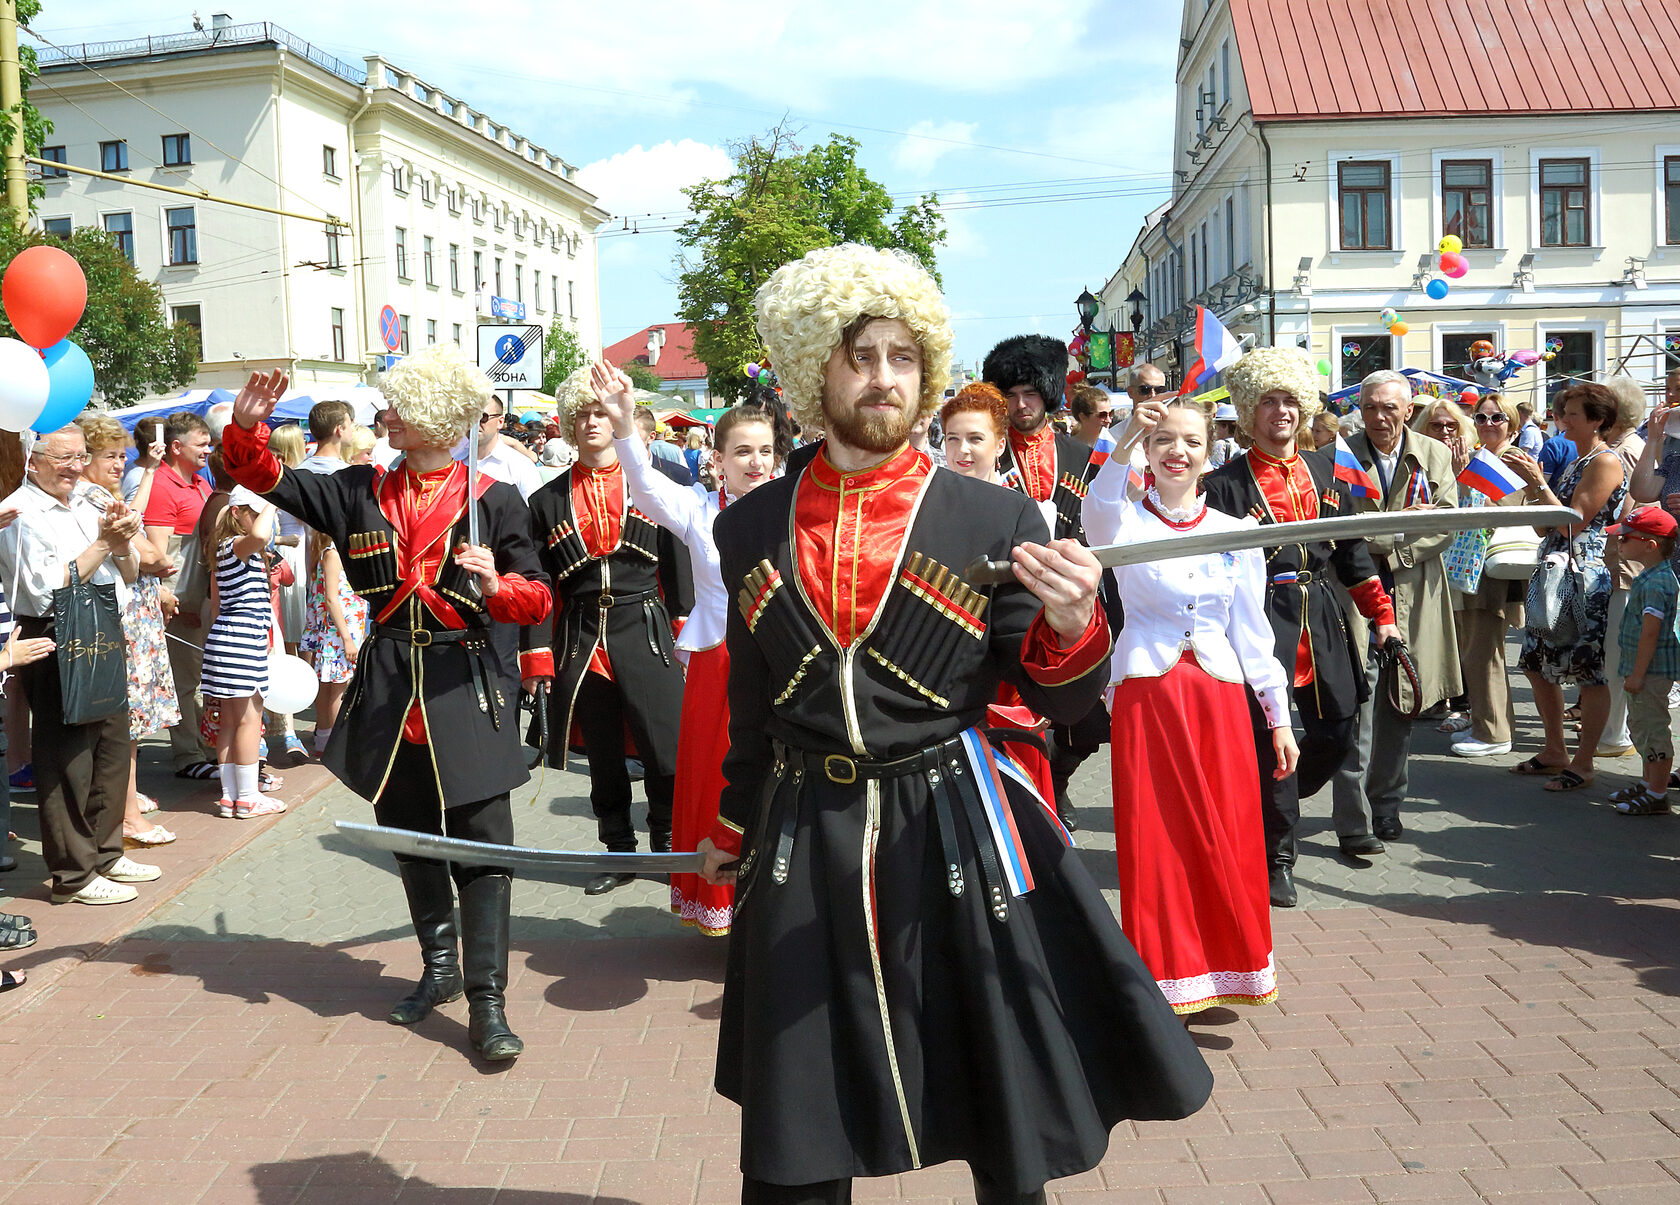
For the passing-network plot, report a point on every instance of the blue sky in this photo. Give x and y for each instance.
(1044, 126)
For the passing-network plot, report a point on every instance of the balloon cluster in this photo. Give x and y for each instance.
(1391, 321)
(1452, 263)
(45, 380)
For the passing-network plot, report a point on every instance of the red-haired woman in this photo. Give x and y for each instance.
(976, 427)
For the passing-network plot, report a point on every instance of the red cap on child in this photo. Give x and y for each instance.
(1647, 521)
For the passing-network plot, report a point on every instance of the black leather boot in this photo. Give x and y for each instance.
(431, 904)
(484, 945)
(1280, 871)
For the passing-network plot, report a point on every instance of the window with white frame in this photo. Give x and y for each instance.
(192, 316)
(57, 154)
(337, 333)
(425, 190)
(1671, 199)
(456, 333)
(536, 288)
(402, 253)
(455, 266)
(113, 156)
(1467, 200)
(1363, 204)
(120, 226)
(335, 255)
(329, 162)
(57, 227)
(1225, 73)
(426, 267)
(1231, 231)
(399, 179)
(182, 226)
(177, 150)
(431, 331)
(1566, 218)
(402, 333)
(1574, 358)
(1455, 350)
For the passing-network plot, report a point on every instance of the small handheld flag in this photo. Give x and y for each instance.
(1487, 474)
(1106, 443)
(1216, 349)
(1349, 470)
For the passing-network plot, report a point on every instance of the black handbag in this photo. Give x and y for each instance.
(92, 650)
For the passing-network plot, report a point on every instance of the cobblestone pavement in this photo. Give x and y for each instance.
(1489, 1011)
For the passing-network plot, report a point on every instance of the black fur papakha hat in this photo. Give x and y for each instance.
(1036, 360)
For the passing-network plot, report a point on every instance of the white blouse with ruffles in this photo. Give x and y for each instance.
(683, 513)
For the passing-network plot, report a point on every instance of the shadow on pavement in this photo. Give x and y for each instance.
(371, 1179)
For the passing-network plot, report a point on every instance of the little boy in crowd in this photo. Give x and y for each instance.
(1650, 651)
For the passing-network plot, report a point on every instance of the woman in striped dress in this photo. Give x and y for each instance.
(236, 650)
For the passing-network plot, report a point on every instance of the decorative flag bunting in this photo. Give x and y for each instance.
(1487, 474)
(1216, 349)
(1357, 477)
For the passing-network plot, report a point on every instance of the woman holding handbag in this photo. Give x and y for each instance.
(1486, 611)
(1594, 485)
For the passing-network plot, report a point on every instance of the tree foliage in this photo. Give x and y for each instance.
(35, 127)
(780, 202)
(643, 377)
(134, 349)
(563, 354)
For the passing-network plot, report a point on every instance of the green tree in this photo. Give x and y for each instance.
(643, 377)
(134, 349)
(35, 127)
(780, 202)
(563, 355)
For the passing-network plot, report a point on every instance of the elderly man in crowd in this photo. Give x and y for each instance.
(171, 518)
(1413, 472)
(81, 770)
(1145, 381)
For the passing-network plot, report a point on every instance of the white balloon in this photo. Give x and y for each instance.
(24, 385)
(292, 685)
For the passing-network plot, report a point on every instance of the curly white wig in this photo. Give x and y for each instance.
(572, 395)
(1265, 369)
(805, 306)
(438, 393)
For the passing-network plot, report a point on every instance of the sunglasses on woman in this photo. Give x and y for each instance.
(1489, 420)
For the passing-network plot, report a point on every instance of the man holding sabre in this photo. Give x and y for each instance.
(445, 558)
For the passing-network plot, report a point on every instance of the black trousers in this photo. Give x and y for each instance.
(410, 800)
(1324, 746)
(839, 1192)
(601, 715)
(81, 775)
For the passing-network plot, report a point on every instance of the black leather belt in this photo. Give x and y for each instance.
(487, 693)
(843, 768)
(423, 636)
(608, 599)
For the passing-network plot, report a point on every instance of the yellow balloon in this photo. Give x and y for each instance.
(1451, 245)
(1399, 328)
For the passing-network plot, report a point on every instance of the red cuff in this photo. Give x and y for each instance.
(1049, 665)
(726, 837)
(1373, 601)
(518, 601)
(536, 663)
(247, 459)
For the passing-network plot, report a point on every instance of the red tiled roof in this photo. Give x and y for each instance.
(676, 358)
(1314, 59)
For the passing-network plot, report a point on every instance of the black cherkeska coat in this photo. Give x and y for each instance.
(1308, 604)
(619, 600)
(475, 748)
(1073, 478)
(874, 1021)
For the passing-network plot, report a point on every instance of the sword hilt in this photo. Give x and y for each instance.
(983, 572)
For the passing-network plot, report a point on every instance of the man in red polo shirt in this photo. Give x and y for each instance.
(178, 496)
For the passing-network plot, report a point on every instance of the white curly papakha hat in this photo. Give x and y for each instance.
(437, 392)
(1267, 368)
(806, 304)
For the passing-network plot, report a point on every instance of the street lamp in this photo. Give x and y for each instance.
(1135, 299)
(1087, 307)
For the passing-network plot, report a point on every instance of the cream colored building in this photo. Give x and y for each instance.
(444, 207)
(1311, 190)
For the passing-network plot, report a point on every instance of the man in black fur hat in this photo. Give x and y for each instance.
(1053, 470)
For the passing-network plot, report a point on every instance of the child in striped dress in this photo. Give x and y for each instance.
(236, 650)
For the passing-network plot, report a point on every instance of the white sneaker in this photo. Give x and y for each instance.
(99, 890)
(126, 870)
(1473, 748)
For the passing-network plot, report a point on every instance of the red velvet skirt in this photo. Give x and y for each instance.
(1187, 831)
(702, 741)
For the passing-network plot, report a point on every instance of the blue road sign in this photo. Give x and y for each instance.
(390, 328)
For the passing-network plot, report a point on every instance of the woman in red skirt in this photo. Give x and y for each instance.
(744, 454)
(1193, 895)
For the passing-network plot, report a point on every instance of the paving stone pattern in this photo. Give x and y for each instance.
(1489, 1012)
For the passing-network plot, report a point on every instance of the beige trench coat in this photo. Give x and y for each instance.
(1423, 607)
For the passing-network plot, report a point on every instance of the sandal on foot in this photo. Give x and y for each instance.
(11, 979)
(1627, 792)
(16, 939)
(147, 803)
(1534, 766)
(1643, 803)
(200, 770)
(156, 835)
(262, 805)
(1567, 780)
(9, 921)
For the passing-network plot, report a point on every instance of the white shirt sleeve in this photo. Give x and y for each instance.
(1255, 644)
(668, 504)
(1106, 501)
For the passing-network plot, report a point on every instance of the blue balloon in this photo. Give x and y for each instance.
(70, 378)
(1436, 289)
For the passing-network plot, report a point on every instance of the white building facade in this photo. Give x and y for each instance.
(442, 213)
(1311, 190)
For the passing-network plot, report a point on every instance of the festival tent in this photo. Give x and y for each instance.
(687, 418)
(1431, 384)
(364, 400)
(198, 401)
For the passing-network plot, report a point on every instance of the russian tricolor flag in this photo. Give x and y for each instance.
(1215, 349)
(1487, 474)
(1356, 476)
(1106, 443)
(1417, 490)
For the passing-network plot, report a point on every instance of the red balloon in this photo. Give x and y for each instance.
(45, 293)
(1075, 377)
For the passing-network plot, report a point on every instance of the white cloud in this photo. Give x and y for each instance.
(650, 180)
(927, 142)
